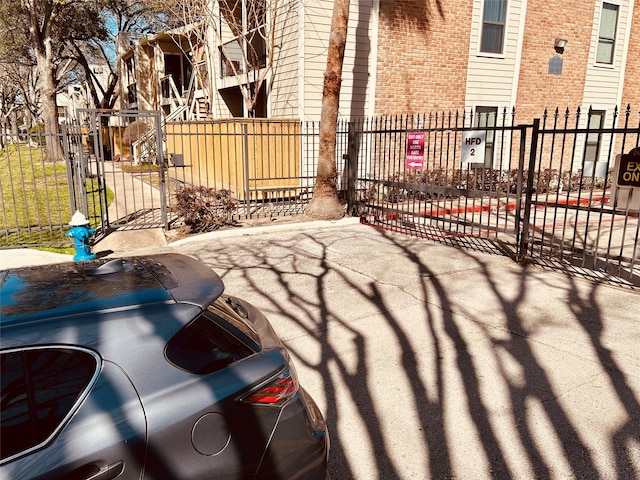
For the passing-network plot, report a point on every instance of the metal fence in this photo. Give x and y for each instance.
(124, 169)
(268, 166)
(543, 191)
(39, 191)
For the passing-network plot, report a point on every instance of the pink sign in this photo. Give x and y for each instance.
(415, 150)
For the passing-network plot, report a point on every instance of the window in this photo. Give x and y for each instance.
(246, 21)
(130, 64)
(493, 23)
(592, 147)
(607, 33)
(233, 311)
(62, 111)
(593, 167)
(40, 388)
(486, 117)
(204, 347)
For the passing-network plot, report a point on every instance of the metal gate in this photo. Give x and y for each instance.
(125, 153)
(542, 192)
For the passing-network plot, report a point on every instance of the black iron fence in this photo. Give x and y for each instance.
(41, 188)
(545, 191)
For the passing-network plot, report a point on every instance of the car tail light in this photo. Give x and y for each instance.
(275, 392)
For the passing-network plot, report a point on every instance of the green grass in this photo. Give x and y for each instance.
(35, 198)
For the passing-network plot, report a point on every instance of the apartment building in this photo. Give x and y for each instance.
(492, 54)
(406, 56)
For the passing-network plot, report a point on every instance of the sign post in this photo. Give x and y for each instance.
(415, 150)
(473, 146)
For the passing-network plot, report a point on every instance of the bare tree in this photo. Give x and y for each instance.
(116, 16)
(19, 96)
(244, 30)
(58, 39)
(9, 102)
(43, 19)
(325, 202)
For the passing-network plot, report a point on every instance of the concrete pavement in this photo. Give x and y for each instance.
(431, 362)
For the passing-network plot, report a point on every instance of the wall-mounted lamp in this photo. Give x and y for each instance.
(559, 45)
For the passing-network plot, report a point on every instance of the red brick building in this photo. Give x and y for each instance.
(435, 55)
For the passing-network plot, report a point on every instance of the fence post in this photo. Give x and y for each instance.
(160, 126)
(352, 167)
(245, 154)
(73, 181)
(521, 255)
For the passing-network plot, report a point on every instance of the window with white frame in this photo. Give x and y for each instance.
(493, 26)
(607, 33)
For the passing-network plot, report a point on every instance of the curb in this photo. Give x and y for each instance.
(27, 257)
(244, 231)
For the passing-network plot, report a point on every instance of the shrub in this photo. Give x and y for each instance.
(205, 209)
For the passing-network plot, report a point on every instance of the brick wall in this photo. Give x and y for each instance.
(631, 91)
(423, 51)
(546, 21)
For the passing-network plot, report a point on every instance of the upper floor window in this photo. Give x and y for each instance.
(246, 24)
(493, 24)
(607, 33)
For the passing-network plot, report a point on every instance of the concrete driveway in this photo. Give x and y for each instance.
(431, 362)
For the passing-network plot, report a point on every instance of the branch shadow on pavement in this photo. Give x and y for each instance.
(436, 364)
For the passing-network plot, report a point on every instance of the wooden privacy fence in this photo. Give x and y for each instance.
(255, 159)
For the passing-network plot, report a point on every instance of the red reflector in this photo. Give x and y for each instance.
(276, 392)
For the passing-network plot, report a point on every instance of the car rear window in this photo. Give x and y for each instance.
(204, 346)
(40, 389)
(234, 312)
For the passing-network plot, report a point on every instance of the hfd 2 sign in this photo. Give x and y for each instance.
(473, 146)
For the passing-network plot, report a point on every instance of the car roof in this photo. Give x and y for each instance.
(67, 289)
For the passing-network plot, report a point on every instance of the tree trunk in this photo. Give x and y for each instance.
(325, 203)
(40, 30)
(49, 110)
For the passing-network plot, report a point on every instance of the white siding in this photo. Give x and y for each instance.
(317, 24)
(357, 91)
(283, 97)
(492, 80)
(603, 83)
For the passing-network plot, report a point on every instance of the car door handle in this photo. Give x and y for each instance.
(107, 473)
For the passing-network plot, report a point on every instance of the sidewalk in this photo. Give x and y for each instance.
(431, 362)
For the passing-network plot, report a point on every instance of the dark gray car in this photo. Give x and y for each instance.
(142, 368)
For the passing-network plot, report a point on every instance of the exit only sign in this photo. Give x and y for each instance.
(629, 172)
